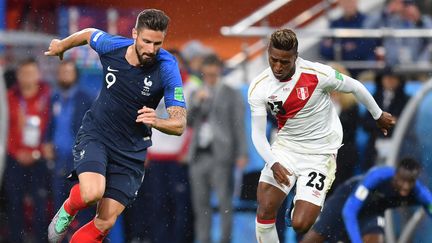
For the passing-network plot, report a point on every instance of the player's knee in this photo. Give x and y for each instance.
(301, 226)
(91, 195)
(266, 211)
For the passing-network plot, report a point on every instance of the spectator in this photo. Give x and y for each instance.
(26, 172)
(391, 96)
(402, 14)
(216, 114)
(69, 104)
(348, 48)
(194, 53)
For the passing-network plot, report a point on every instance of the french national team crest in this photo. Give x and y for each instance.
(302, 93)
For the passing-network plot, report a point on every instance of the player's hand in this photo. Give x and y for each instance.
(385, 122)
(281, 174)
(55, 49)
(147, 116)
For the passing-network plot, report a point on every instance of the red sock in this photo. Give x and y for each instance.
(74, 203)
(88, 234)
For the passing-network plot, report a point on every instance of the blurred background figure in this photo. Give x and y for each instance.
(348, 110)
(194, 53)
(69, 104)
(391, 96)
(346, 48)
(26, 176)
(402, 14)
(216, 114)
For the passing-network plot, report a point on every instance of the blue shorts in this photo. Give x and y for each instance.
(331, 226)
(123, 170)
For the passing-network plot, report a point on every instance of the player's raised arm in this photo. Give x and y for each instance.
(58, 47)
(384, 120)
(173, 125)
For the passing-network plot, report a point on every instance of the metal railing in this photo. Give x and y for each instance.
(17, 38)
(258, 15)
(244, 28)
(4, 121)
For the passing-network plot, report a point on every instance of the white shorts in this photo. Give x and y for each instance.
(313, 173)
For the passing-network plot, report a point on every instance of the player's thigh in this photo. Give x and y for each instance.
(92, 185)
(372, 228)
(124, 176)
(316, 174)
(312, 237)
(270, 198)
(90, 160)
(373, 238)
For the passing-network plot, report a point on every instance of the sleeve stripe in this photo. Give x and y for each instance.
(311, 69)
(259, 81)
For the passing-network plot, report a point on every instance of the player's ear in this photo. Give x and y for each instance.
(134, 33)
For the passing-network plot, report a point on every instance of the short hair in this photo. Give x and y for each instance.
(409, 164)
(284, 39)
(27, 61)
(152, 19)
(73, 63)
(212, 59)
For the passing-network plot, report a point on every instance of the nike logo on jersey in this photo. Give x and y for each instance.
(112, 70)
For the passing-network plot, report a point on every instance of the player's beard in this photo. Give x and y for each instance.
(150, 60)
(65, 85)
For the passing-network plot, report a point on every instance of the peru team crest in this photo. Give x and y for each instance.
(302, 93)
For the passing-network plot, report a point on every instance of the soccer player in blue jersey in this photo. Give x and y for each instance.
(355, 211)
(110, 148)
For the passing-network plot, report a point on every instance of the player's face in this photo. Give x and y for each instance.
(404, 181)
(282, 63)
(147, 44)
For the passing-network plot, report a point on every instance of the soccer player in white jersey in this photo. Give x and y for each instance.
(297, 93)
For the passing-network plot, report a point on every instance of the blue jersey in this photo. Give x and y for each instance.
(372, 194)
(127, 89)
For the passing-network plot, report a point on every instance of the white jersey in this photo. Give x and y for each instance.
(307, 119)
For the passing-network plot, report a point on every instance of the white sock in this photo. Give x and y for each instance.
(266, 231)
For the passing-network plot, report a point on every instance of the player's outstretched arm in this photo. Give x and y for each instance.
(58, 47)
(384, 120)
(173, 125)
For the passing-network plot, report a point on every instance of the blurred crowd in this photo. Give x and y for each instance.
(188, 178)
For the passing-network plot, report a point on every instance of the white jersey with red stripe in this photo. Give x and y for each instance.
(307, 120)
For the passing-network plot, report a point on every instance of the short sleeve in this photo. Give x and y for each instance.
(256, 101)
(103, 42)
(173, 91)
(334, 79)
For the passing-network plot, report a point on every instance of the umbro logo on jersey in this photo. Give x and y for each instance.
(272, 97)
(112, 70)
